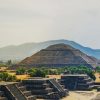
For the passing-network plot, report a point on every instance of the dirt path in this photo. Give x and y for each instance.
(81, 95)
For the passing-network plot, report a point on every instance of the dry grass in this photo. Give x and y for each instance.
(97, 77)
(3, 68)
(22, 77)
(54, 76)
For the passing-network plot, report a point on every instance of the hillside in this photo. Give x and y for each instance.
(22, 51)
(59, 55)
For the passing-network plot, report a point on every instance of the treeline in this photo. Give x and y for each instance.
(81, 70)
(44, 71)
(37, 72)
(7, 63)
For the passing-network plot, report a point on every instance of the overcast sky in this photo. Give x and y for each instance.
(40, 20)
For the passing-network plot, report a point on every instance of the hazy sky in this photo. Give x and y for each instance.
(40, 20)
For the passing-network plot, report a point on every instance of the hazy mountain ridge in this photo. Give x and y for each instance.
(22, 51)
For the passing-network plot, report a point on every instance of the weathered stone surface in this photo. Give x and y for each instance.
(77, 82)
(59, 55)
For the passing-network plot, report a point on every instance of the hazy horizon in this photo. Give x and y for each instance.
(24, 21)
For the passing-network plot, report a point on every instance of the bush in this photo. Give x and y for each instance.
(20, 71)
(98, 69)
(81, 70)
(36, 73)
(6, 77)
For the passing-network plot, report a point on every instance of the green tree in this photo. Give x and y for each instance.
(98, 69)
(37, 73)
(9, 63)
(20, 71)
(31, 71)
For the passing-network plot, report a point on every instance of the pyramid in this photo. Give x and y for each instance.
(60, 55)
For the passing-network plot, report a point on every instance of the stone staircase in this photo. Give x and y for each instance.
(2, 96)
(20, 92)
(43, 89)
(58, 87)
(27, 94)
(32, 89)
(16, 92)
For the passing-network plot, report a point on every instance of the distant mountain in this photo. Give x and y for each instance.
(22, 51)
(59, 55)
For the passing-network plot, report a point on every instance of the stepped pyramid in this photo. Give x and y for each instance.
(60, 55)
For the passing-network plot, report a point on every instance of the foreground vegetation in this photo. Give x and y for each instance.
(44, 71)
(7, 77)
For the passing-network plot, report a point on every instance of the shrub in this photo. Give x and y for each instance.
(36, 73)
(20, 71)
(6, 77)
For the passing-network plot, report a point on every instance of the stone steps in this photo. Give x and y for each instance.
(2, 96)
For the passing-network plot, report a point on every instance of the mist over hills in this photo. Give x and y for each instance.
(22, 51)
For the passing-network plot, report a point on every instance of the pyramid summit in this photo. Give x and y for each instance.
(60, 55)
(60, 46)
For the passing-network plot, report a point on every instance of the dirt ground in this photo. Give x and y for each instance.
(54, 76)
(82, 95)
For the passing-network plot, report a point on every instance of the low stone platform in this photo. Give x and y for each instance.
(77, 81)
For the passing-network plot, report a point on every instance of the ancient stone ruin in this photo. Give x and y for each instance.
(77, 82)
(31, 89)
(59, 55)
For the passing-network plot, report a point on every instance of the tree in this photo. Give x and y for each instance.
(98, 69)
(9, 63)
(31, 71)
(81, 70)
(91, 74)
(20, 71)
(53, 72)
(37, 73)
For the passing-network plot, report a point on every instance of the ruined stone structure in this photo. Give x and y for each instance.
(97, 86)
(77, 81)
(31, 89)
(45, 88)
(12, 91)
(59, 55)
